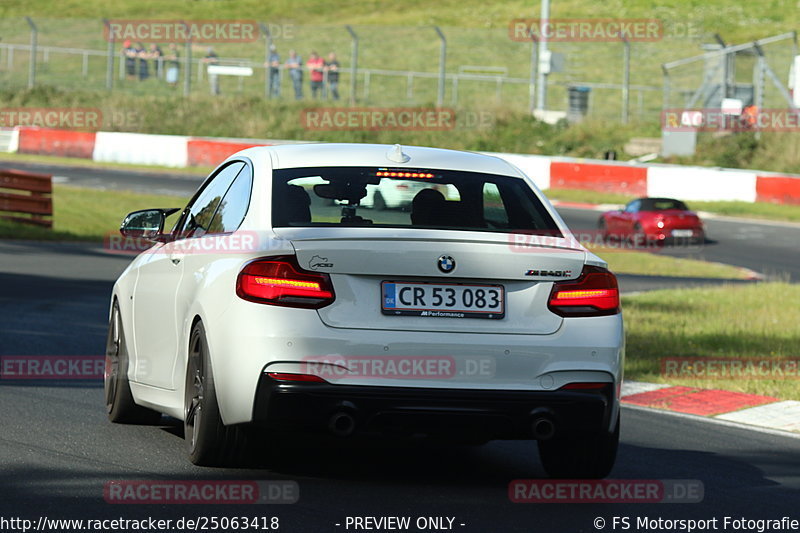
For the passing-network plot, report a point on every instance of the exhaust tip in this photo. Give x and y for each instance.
(342, 424)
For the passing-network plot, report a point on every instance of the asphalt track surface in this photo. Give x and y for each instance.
(57, 449)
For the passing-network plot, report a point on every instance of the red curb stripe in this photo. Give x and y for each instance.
(704, 402)
(206, 152)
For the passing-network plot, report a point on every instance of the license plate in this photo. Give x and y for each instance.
(442, 300)
(682, 233)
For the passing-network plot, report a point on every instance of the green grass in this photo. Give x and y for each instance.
(698, 323)
(87, 214)
(654, 264)
(762, 210)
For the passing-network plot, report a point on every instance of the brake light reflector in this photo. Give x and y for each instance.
(585, 386)
(594, 293)
(281, 281)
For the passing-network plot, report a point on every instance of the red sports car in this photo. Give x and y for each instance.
(654, 220)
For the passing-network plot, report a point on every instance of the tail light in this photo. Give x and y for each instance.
(594, 293)
(281, 281)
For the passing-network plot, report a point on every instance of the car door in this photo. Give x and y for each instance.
(206, 254)
(155, 298)
(627, 219)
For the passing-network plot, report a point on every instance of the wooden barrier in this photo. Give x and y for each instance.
(38, 203)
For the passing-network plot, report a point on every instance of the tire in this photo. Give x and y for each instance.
(209, 441)
(580, 456)
(602, 229)
(378, 203)
(120, 406)
(639, 237)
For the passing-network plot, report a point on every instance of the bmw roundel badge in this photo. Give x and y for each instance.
(446, 264)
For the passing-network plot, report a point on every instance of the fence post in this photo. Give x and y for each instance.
(534, 71)
(110, 58)
(442, 59)
(626, 78)
(32, 64)
(544, 58)
(354, 64)
(187, 71)
(267, 67)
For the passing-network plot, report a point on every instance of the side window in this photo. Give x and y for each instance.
(233, 208)
(633, 207)
(494, 212)
(197, 221)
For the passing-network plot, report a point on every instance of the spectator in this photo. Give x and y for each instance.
(295, 65)
(332, 68)
(173, 64)
(316, 70)
(156, 55)
(274, 72)
(141, 57)
(130, 59)
(212, 58)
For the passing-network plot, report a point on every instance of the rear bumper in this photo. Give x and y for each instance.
(490, 414)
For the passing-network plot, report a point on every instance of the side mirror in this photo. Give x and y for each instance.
(146, 224)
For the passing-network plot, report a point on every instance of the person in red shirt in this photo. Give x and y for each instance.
(316, 66)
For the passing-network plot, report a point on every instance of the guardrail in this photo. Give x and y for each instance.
(38, 204)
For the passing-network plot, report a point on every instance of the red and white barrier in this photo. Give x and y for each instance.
(684, 182)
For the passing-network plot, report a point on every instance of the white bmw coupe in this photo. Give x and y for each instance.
(278, 303)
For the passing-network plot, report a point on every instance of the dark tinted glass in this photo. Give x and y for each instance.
(201, 211)
(421, 198)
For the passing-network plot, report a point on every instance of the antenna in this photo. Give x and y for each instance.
(396, 154)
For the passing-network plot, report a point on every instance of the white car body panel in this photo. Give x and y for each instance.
(245, 338)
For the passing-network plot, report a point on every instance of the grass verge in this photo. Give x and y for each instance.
(654, 264)
(82, 214)
(710, 322)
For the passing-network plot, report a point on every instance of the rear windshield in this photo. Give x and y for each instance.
(662, 204)
(420, 198)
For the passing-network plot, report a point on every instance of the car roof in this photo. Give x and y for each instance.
(376, 155)
(658, 199)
